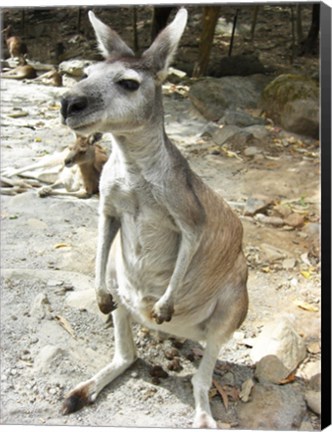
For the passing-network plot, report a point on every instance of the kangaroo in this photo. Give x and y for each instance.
(22, 71)
(15, 46)
(77, 168)
(169, 251)
(52, 77)
(90, 157)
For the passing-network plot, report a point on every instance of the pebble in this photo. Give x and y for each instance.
(288, 263)
(269, 220)
(294, 220)
(313, 399)
(251, 151)
(270, 369)
(282, 210)
(256, 204)
(54, 283)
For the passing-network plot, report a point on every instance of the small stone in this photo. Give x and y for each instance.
(255, 204)
(40, 307)
(271, 369)
(54, 283)
(269, 220)
(288, 263)
(251, 151)
(294, 220)
(282, 210)
(313, 399)
(315, 382)
(258, 131)
(314, 347)
(221, 135)
(134, 375)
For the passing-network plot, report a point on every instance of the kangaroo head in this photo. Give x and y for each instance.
(82, 150)
(122, 93)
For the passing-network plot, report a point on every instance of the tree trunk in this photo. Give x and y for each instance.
(310, 44)
(210, 18)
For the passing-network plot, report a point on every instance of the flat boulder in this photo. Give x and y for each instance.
(213, 97)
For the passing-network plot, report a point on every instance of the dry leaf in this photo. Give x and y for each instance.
(222, 393)
(289, 379)
(306, 274)
(231, 391)
(65, 324)
(306, 306)
(231, 154)
(246, 388)
(212, 392)
(18, 114)
(61, 245)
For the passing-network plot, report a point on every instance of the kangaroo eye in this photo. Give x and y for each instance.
(129, 84)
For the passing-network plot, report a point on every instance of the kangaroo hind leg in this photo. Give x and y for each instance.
(124, 356)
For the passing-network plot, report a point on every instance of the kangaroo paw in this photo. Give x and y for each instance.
(77, 399)
(162, 312)
(204, 421)
(106, 303)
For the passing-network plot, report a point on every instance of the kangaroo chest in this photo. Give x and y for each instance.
(149, 236)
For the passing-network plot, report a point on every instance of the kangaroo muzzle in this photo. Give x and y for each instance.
(73, 105)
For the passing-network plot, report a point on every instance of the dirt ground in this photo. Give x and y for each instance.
(52, 335)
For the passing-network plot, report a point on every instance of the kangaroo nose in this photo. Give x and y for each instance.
(72, 105)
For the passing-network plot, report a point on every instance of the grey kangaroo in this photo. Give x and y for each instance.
(169, 251)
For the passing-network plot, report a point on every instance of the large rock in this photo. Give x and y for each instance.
(74, 67)
(241, 65)
(272, 407)
(279, 338)
(212, 97)
(292, 101)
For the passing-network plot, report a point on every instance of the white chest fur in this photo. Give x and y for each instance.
(149, 236)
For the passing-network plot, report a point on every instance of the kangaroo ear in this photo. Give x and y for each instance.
(109, 42)
(161, 52)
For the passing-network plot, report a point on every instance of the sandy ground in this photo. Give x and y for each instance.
(52, 335)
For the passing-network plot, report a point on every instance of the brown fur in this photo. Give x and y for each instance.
(15, 46)
(22, 71)
(90, 157)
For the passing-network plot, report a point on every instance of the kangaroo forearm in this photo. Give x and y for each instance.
(107, 230)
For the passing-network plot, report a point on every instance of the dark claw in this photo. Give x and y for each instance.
(166, 316)
(74, 402)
